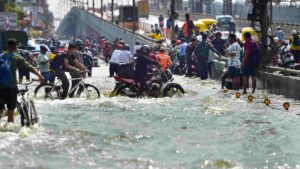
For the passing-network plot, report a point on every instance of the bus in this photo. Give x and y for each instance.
(126, 17)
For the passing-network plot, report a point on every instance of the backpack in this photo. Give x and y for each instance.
(256, 56)
(6, 73)
(296, 41)
(169, 23)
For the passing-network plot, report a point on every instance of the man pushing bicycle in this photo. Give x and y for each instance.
(9, 63)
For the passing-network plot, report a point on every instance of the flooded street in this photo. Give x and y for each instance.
(205, 128)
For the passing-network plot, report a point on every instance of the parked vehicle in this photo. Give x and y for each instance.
(204, 24)
(226, 23)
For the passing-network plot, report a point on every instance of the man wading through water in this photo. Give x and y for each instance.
(9, 63)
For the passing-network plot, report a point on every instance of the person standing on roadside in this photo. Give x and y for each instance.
(234, 64)
(9, 63)
(44, 63)
(219, 43)
(279, 34)
(248, 63)
(188, 27)
(189, 56)
(161, 23)
(295, 45)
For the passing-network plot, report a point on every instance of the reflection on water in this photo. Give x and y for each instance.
(206, 128)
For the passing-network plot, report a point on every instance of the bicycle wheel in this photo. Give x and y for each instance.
(33, 113)
(88, 92)
(46, 91)
(23, 110)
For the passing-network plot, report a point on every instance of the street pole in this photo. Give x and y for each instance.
(101, 6)
(134, 17)
(271, 13)
(94, 7)
(112, 11)
(173, 18)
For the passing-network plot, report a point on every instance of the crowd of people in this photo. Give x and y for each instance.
(192, 54)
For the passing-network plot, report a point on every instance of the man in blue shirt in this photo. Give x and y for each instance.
(182, 49)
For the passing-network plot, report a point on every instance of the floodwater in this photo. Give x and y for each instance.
(205, 128)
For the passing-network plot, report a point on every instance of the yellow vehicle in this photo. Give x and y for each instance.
(204, 24)
(254, 34)
(155, 36)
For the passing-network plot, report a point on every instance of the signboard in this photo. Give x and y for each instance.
(8, 21)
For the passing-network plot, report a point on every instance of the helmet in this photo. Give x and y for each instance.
(293, 32)
(278, 28)
(78, 42)
(178, 42)
(43, 47)
(126, 47)
(145, 49)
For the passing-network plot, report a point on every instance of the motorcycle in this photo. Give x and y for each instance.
(287, 59)
(157, 83)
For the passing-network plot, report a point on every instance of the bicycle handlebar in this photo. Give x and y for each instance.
(29, 83)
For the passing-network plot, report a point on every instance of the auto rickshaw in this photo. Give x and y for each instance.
(156, 36)
(254, 34)
(205, 24)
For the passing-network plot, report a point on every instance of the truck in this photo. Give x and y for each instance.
(143, 8)
(127, 18)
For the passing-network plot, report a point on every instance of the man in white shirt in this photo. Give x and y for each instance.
(125, 55)
(136, 47)
(115, 60)
(126, 69)
(44, 63)
(234, 63)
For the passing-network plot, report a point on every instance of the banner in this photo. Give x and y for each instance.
(8, 21)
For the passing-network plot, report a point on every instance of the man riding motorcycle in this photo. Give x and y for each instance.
(141, 66)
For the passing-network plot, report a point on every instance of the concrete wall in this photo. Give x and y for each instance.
(288, 86)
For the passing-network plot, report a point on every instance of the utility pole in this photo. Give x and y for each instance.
(134, 17)
(101, 6)
(172, 6)
(112, 11)
(94, 7)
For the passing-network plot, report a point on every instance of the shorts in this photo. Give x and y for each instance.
(249, 71)
(8, 97)
(234, 72)
(46, 76)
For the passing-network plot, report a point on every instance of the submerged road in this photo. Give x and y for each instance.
(204, 128)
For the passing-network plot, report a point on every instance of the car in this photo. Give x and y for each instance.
(226, 23)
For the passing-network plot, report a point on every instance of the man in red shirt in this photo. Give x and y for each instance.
(248, 64)
(188, 26)
(107, 50)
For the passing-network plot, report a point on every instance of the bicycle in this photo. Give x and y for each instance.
(26, 108)
(54, 91)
